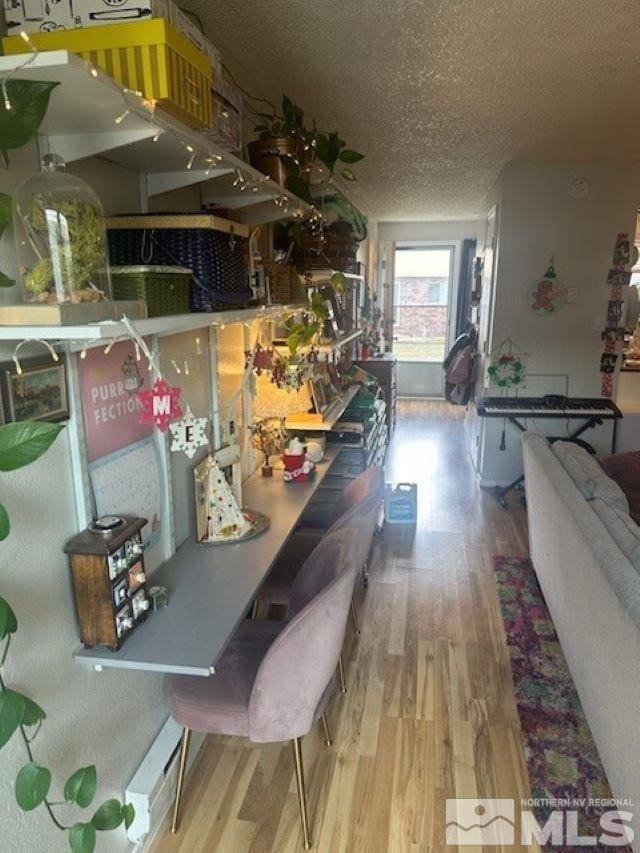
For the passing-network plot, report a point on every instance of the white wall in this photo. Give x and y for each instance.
(420, 379)
(540, 218)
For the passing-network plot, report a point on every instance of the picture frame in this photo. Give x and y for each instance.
(318, 394)
(36, 392)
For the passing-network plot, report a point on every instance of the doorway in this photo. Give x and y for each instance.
(422, 295)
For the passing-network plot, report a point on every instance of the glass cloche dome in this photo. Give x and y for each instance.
(60, 237)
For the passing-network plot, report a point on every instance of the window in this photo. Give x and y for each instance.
(421, 302)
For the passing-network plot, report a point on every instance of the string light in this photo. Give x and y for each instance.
(174, 364)
(158, 135)
(83, 353)
(191, 160)
(54, 355)
(93, 70)
(119, 119)
(24, 36)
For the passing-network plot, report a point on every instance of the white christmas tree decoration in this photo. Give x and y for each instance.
(189, 434)
(225, 520)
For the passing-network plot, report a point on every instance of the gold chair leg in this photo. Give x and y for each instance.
(343, 683)
(354, 619)
(182, 768)
(302, 796)
(327, 731)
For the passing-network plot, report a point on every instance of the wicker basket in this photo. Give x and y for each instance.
(164, 289)
(215, 249)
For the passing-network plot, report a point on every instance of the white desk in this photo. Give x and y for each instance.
(211, 587)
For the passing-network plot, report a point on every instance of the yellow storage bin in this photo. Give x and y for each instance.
(150, 56)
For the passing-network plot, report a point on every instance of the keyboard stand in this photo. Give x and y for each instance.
(590, 423)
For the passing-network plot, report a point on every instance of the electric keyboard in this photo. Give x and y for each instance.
(538, 407)
(591, 410)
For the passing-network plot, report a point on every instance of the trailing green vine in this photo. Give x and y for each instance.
(20, 445)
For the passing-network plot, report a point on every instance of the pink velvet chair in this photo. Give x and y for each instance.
(359, 504)
(273, 681)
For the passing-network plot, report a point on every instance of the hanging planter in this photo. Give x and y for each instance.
(275, 156)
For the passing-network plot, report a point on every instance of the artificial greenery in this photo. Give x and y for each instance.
(28, 101)
(20, 445)
(76, 230)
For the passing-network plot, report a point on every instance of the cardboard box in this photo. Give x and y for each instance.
(150, 56)
(41, 16)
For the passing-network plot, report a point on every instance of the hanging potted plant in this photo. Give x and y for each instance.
(280, 142)
(331, 243)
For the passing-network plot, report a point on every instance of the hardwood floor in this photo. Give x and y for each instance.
(429, 713)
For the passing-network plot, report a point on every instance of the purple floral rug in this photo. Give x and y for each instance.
(561, 757)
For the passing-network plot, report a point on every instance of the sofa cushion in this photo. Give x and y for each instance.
(589, 477)
(624, 468)
(622, 528)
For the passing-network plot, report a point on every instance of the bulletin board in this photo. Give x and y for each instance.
(129, 482)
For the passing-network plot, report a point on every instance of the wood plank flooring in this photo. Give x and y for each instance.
(430, 711)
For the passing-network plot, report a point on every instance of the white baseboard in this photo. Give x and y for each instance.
(151, 790)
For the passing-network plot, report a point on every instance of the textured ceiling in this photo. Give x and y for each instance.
(440, 94)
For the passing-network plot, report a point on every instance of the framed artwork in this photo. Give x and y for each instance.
(319, 394)
(334, 324)
(618, 278)
(38, 393)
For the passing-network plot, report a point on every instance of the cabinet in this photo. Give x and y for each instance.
(384, 369)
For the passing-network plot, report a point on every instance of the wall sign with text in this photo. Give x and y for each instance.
(109, 385)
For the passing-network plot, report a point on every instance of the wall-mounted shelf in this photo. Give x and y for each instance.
(330, 346)
(341, 341)
(317, 276)
(80, 122)
(170, 325)
(333, 414)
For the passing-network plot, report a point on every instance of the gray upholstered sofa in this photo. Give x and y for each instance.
(593, 593)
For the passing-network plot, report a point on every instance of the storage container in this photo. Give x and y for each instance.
(214, 249)
(165, 290)
(43, 16)
(149, 56)
(226, 115)
(401, 504)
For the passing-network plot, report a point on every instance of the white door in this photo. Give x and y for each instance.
(422, 289)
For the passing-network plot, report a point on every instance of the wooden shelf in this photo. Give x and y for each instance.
(80, 122)
(170, 325)
(333, 414)
(342, 341)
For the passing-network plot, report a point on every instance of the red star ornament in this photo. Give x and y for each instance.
(160, 404)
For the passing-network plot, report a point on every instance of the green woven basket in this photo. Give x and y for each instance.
(164, 289)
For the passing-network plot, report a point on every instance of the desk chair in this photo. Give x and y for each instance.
(360, 506)
(273, 681)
